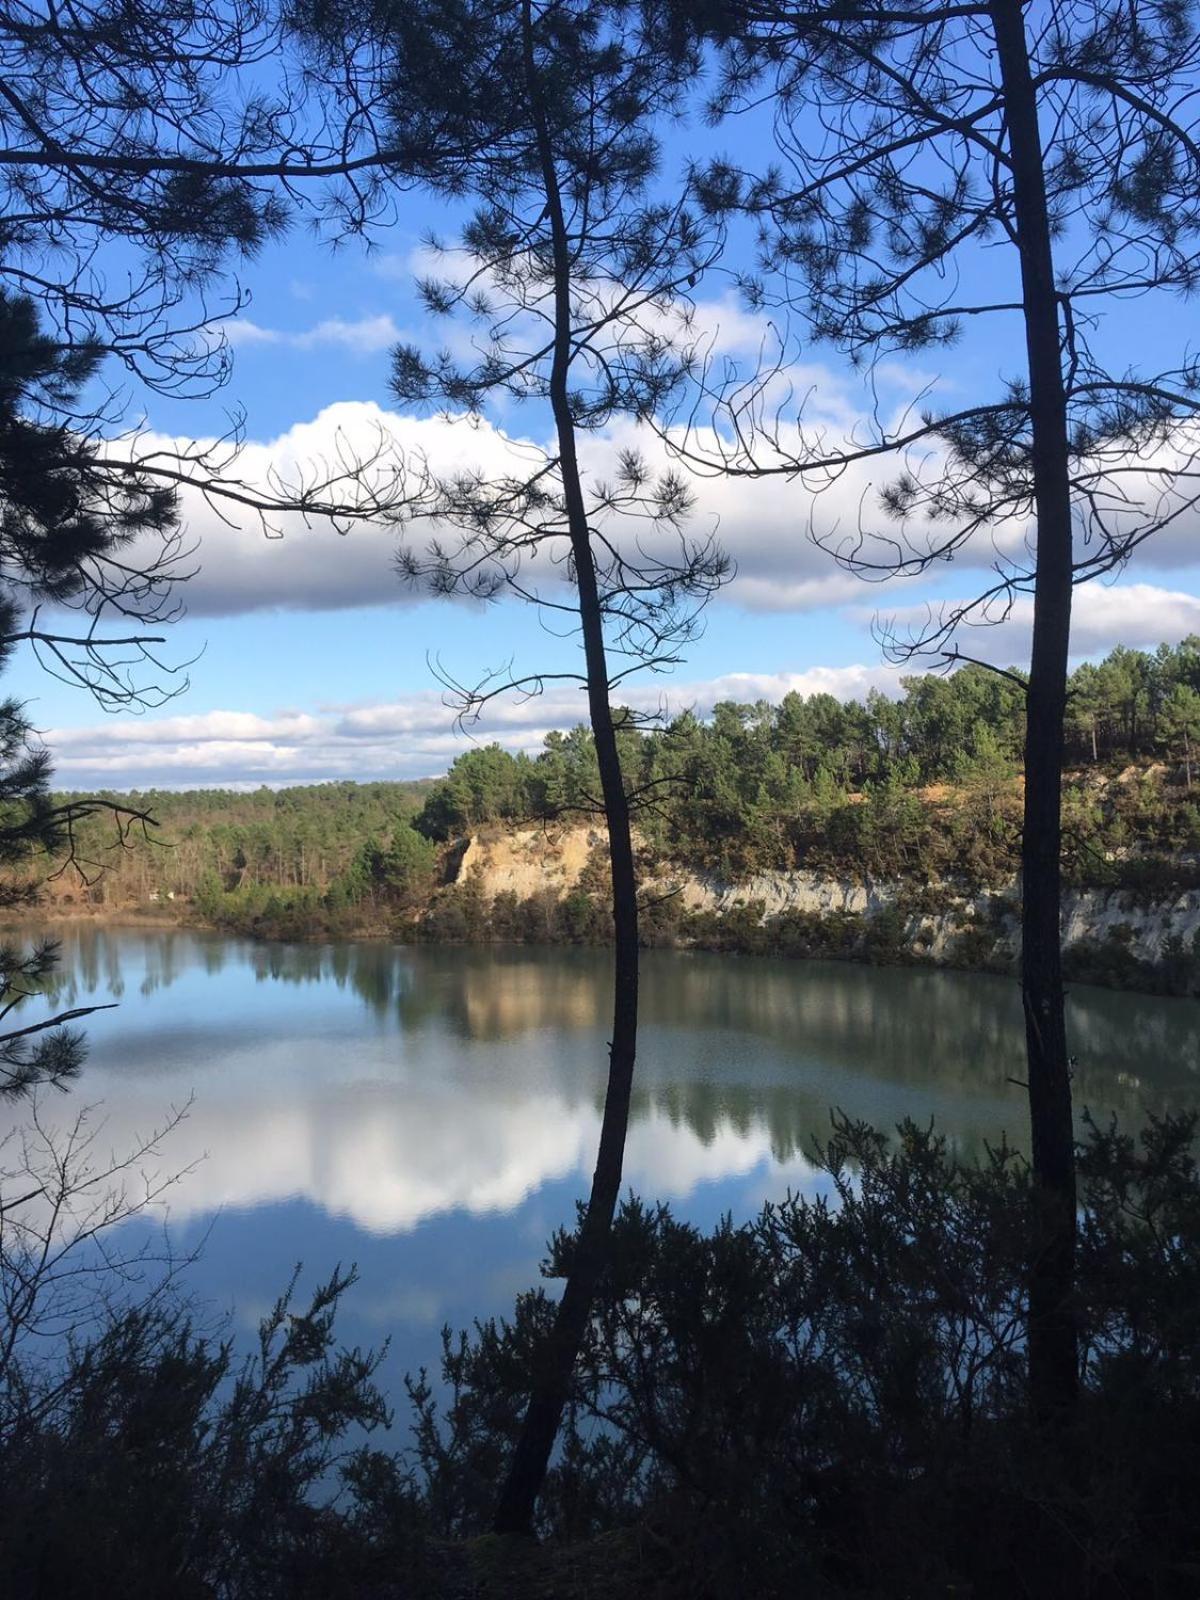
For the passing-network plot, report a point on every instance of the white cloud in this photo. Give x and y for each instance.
(844, 683)
(1139, 615)
(309, 565)
(764, 526)
(412, 737)
(1135, 614)
(363, 336)
(780, 534)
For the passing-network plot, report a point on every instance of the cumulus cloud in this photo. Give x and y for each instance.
(408, 738)
(763, 526)
(308, 565)
(1140, 615)
(780, 533)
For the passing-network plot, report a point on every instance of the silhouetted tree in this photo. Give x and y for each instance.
(576, 280)
(142, 151)
(909, 136)
(65, 528)
(145, 152)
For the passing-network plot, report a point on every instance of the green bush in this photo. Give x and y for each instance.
(831, 1399)
(149, 1463)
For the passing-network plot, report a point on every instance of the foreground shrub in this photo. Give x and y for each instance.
(149, 1463)
(831, 1399)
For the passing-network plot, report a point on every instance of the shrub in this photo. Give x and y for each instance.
(148, 1462)
(831, 1399)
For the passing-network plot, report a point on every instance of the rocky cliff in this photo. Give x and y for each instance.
(940, 922)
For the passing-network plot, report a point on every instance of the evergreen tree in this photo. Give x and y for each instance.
(61, 524)
(907, 137)
(1181, 724)
(577, 280)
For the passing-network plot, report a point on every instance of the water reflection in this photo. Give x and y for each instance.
(431, 1114)
(388, 1085)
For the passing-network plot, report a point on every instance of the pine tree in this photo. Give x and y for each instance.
(908, 136)
(576, 280)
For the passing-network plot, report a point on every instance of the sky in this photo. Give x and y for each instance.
(302, 657)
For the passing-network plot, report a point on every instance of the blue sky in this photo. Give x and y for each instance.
(308, 661)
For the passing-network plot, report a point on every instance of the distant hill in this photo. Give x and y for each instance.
(916, 799)
(210, 842)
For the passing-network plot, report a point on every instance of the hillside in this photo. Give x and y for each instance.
(883, 830)
(207, 847)
(547, 886)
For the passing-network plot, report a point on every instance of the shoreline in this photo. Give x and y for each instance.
(100, 916)
(1103, 965)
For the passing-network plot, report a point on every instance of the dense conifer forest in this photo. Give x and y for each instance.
(918, 789)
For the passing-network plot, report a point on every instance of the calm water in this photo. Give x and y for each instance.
(431, 1114)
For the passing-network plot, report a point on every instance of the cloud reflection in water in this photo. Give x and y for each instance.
(387, 1085)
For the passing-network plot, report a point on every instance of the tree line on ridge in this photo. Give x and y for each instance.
(917, 787)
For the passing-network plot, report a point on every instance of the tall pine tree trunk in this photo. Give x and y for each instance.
(1053, 1344)
(514, 1513)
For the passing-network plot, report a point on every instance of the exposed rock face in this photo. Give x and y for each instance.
(784, 891)
(1098, 913)
(529, 861)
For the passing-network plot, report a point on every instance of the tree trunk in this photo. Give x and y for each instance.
(1053, 1352)
(514, 1513)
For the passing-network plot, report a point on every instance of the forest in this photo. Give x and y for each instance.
(922, 786)
(910, 276)
(917, 790)
(221, 855)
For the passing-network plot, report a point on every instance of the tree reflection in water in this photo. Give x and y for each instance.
(747, 1052)
(430, 1113)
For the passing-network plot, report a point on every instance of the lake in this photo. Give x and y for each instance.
(431, 1113)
